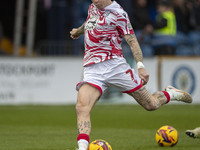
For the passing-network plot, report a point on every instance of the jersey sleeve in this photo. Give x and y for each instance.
(89, 10)
(123, 24)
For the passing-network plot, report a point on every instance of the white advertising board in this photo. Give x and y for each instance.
(50, 80)
(39, 80)
(53, 80)
(183, 73)
(151, 65)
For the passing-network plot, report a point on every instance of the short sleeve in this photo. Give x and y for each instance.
(89, 10)
(123, 24)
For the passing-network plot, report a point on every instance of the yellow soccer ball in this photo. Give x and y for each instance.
(166, 136)
(99, 145)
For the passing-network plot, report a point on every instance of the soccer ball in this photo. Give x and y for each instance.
(166, 136)
(99, 145)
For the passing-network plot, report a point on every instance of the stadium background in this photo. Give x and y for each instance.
(40, 66)
(37, 53)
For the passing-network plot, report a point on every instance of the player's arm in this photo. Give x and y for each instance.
(77, 32)
(135, 48)
(138, 56)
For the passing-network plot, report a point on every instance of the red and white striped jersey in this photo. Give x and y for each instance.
(104, 30)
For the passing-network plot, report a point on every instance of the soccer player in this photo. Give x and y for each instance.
(104, 65)
(195, 133)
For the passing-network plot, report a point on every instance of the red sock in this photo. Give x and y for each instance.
(83, 137)
(167, 96)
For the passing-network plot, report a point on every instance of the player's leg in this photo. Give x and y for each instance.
(128, 81)
(153, 102)
(87, 97)
(148, 101)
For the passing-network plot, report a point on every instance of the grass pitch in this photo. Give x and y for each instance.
(125, 127)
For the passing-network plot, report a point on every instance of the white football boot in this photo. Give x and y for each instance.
(178, 95)
(195, 133)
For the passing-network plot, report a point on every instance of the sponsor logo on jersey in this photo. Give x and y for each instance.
(92, 22)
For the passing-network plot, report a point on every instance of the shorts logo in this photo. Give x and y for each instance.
(92, 22)
(184, 79)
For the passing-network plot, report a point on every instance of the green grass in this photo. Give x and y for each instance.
(125, 127)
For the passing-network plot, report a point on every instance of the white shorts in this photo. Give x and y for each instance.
(114, 72)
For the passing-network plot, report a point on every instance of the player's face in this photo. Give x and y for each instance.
(101, 4)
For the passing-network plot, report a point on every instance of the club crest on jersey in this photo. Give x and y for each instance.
(92, 22)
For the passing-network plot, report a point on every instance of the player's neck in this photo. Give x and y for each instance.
(104, 5)
(108, 3)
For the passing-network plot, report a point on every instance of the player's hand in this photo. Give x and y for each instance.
(74, 34)
(144, 75)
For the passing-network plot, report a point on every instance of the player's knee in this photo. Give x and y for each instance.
(151, 107)
(82, 108)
